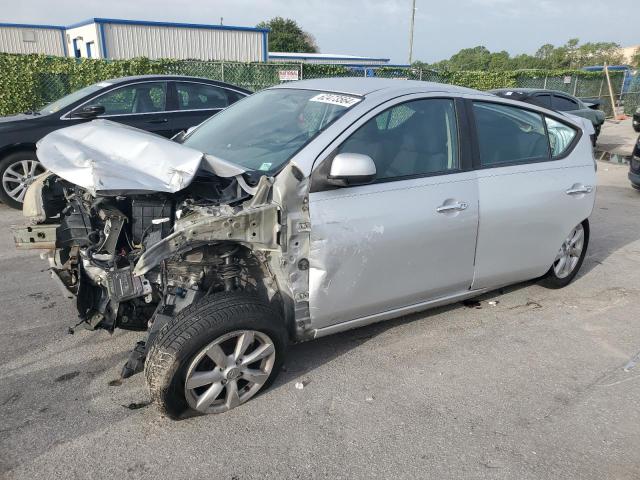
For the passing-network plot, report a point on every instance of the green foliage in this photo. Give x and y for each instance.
(635, 59)
(28, 82)
(285, 35)
(548, 56)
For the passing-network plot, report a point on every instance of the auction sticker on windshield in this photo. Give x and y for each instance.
(335, 99)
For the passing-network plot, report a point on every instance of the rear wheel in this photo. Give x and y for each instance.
(17, 171)
(569, 258)
(215, 355)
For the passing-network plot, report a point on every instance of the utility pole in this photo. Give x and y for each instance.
(413, 17)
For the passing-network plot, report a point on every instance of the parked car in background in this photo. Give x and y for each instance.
(636, 120)
(160, 104)
(559, 101)
(634, 166)
(306, 209)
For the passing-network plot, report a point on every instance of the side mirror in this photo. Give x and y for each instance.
(351, 169)
(90, 111)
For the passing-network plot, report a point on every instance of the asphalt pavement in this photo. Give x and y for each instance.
(528, 383)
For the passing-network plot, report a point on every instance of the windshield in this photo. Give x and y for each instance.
(67, 100)
(266, 129)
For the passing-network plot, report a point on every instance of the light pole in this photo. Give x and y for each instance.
(413, 17)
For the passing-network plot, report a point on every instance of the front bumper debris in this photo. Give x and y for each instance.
(35, 236)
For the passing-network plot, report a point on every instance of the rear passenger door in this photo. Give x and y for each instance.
(408, 237)
(195, 102)
(536, 183)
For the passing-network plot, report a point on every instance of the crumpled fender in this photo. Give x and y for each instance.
(256, 226)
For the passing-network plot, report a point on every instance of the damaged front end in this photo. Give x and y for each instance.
(133, 258)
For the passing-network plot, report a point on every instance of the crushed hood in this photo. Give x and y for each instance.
(107, 156)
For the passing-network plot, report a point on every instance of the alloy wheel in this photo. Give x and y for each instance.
(569, 254)
(18, 176)
(229, 371)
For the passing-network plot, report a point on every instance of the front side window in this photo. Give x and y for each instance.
(198, 96)
(146, 97)
(74, 97)
(414, 138)
(508, 135)
(560, 136)
(264, 130)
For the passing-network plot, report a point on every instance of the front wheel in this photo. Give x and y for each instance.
(17, 171)
(569, 258)
(215, 355)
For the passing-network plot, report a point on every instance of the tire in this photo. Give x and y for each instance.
(11, 169)
(552, 279)
(183, 342)
(636, 128)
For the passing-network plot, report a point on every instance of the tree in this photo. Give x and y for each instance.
(599, 53)
(548, 56)
(285, 35)
(635, 58)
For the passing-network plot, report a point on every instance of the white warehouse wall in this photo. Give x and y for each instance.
(133, 40)
(28, 39)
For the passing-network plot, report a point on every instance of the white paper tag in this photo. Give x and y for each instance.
(265, 167)
(335, 99)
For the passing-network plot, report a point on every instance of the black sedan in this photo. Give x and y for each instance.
(559, 101)
(634, 167)
(161, 104)
(636, 120)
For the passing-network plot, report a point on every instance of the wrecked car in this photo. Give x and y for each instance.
(303, 210)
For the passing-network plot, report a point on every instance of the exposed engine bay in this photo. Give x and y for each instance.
(99, 240)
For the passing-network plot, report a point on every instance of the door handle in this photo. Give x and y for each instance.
(159, 120)
(579, 189)
(452, 207)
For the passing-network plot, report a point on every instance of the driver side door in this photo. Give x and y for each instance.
(407, 238)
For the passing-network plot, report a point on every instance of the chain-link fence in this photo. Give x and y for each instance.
(51, 86)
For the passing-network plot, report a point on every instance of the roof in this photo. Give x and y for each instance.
(30, 25)
(174, 77)
(119, 21)
(325, 56)
(363, 86)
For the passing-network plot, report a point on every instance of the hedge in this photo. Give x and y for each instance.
(28, 82)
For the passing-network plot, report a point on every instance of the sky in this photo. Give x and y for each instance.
(378, 28)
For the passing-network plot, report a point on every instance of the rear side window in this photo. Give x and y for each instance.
(560, 136)
(564, 104)
(509, 135)
(542, 100)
